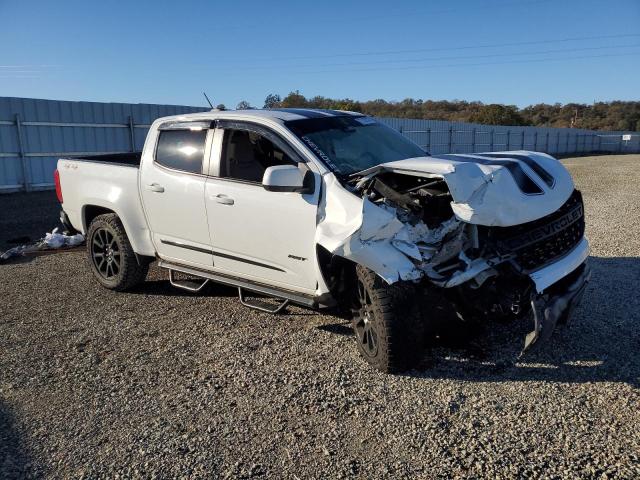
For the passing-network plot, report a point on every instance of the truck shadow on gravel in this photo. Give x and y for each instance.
(165, 289)
(600, 344)
(14, 459)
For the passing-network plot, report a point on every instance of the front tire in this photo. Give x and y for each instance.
(387, 323)
(111, 257)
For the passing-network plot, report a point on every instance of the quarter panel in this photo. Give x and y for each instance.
(109, 186)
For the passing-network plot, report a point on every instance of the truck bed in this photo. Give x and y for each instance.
(129, 159)
(107, 182)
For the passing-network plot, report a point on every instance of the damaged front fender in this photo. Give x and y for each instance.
(372, 235)
(356, 229)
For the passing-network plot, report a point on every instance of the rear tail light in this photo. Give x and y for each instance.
(56, 179)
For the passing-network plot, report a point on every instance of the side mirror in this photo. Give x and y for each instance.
(287, 178)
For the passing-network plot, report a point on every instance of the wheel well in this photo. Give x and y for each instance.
(340, 276)
(92, 211)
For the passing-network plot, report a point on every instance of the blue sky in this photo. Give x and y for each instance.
(503, 51)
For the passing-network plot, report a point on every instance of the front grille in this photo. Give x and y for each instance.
(537, 243)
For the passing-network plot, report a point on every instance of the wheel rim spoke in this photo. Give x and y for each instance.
(374, 341)
(364, 329)
(360, 334)
(369, 343)
(361, 293)
(105, 253)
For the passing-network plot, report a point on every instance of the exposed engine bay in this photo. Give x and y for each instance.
(442, 248)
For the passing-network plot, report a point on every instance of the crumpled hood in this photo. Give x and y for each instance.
(494, 188)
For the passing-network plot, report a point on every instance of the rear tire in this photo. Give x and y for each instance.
(387, 323)
(111, 258)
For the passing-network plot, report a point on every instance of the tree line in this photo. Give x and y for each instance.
(615, 115)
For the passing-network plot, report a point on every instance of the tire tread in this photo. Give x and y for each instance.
(133, 273)
(399, 325)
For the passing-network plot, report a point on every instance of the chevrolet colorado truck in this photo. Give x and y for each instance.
(332, 209)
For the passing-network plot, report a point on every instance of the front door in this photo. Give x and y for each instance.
(172, 185)
(256, 234)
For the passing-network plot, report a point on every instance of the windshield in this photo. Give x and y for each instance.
(349, 144)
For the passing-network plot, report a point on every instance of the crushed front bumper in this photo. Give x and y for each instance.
(556, 304)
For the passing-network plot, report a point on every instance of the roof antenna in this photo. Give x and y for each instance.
(209, 101)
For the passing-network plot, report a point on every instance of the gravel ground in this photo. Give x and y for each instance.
(161, 383)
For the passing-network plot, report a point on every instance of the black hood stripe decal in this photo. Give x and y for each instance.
(525, 183)
(531, 163)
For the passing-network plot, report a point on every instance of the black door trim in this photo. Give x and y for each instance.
(221, 255)
(188, 247)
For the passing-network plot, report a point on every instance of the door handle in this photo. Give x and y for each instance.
(223, 199)
(154, 187)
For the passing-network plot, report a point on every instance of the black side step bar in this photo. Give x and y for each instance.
(242, 285)
(189, 285)
(257, 304)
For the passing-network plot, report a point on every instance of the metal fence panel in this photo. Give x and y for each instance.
(456, 137)
(34, 133)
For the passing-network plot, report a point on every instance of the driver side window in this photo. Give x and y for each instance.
(246, 155)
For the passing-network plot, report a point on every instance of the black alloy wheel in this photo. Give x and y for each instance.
(387, 322)
(112, 260)
(105, 253)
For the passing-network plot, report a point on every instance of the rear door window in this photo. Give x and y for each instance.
(181, 149)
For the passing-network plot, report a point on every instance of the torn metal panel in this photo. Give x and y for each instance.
(339, 212)
(550, 309)
(357, 229)
(371, 234)
(378, 223)
(384, 259)
(473, 268)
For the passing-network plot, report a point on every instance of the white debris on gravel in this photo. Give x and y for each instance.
(59, 240)
(51, 241)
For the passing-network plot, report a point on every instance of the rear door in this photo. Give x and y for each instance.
(172, 185)
(256, 234)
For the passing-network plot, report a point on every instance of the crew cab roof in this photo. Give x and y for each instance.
(280, 115)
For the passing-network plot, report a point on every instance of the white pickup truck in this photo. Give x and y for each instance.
(331, 209)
